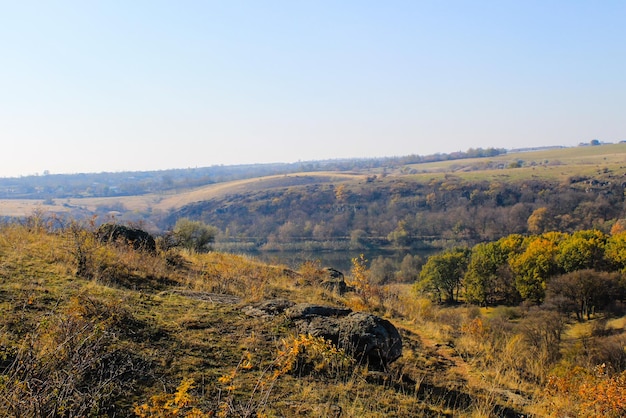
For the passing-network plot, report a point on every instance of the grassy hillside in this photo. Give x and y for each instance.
(553, 164)
(129, 333)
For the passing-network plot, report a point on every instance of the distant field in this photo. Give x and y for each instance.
(168, 201)
(556, 164)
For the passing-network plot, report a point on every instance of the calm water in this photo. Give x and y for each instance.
(340, 260)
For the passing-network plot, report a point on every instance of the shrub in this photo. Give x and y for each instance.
(194, 235)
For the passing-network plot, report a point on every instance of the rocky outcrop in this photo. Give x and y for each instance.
(334, 281)
(268, 308)
(368, 338)
(138, 238)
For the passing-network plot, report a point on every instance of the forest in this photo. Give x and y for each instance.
(409, 212)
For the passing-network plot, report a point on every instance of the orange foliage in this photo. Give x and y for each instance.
(594, 394)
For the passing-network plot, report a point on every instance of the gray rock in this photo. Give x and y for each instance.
(138, 238)
(334, 281)
(268, 308)
(368, 338)
(306, 310)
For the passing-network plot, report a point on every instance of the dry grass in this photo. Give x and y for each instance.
(555, 164)
(174, 317)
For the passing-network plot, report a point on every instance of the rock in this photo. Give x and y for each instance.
(138, 238)
(368, 338)
(306, 310)
(268, 308)
(334, 281)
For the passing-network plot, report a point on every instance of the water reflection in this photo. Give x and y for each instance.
(340, 260)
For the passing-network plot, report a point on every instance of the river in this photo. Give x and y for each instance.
(340, 260)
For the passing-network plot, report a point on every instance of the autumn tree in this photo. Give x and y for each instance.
(540, 221)
(615, 251)
(359, 278)
(582, 250)
(534, 266)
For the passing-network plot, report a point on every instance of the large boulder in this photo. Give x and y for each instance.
(368, 338)
(138, 238)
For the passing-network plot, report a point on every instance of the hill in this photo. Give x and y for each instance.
(393, 203)
(100, 329)
(435, 204)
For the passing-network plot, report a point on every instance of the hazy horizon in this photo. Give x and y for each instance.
(118, 86)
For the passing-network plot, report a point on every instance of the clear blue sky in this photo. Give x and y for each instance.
(135, 85)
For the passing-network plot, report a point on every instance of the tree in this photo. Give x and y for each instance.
(359, 278)
(585, 290)
(409, 268)
(540, 221)
(382, 270)
(582, 250)
(542, 330)
(487, 280)
(358, 238)
(441, 275)
(534, 266)
(400, 236)
(194, 235)
(615, 251)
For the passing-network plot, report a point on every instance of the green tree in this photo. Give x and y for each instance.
(442, 274)
(487, 279)
(400, 236)
(194, 235)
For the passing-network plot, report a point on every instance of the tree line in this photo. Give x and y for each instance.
(129, 183)
(410, 212)
(580, 272)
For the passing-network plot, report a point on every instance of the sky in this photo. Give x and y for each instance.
(93, 86)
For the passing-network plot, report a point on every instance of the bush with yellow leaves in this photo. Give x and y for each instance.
(172, 405)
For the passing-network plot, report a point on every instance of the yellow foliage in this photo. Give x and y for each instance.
(179, 404)
(359, 280)
(306, 353)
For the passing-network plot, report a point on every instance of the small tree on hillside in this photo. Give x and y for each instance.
(442, 274)
(194, 235)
